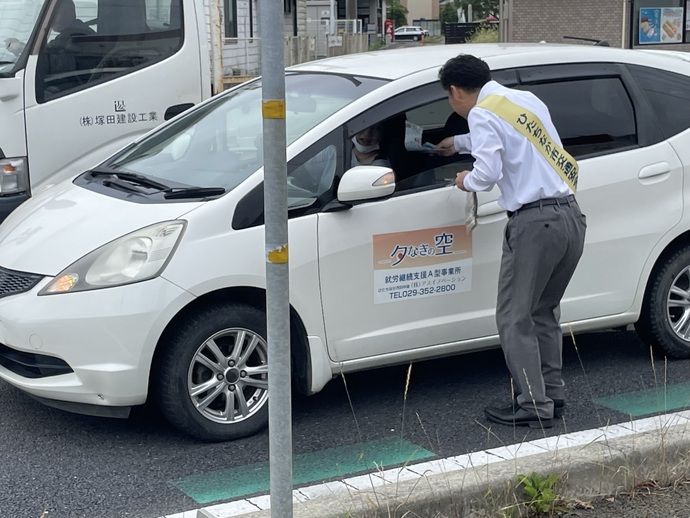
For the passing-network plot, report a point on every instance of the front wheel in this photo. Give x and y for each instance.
(211, 381)
(665, 318)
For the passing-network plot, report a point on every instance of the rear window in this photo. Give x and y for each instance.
(669, 95)
(592, 115)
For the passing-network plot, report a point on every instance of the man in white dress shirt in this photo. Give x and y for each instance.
(516, 147)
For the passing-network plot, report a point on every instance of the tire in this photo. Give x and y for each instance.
(224, 348)
(665, 317)
(415, 38)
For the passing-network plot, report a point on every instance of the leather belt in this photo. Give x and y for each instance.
(545, 202)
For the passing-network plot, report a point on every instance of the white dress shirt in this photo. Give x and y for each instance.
(505, 157)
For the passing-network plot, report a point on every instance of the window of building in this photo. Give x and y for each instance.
(592, 116)
(655, 22)
(230, 16)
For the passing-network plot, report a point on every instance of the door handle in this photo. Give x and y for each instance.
(176, 110)
(658, 169)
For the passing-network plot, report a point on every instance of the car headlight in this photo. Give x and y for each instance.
(14, 175)
(136, 257)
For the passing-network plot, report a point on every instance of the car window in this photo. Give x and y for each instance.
(220, 144)
(310, 177)
(424, 110)
(593, 115)
(106, 40)
(420, 170)
(669, 95)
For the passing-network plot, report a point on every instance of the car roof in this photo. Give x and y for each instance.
(393, 64)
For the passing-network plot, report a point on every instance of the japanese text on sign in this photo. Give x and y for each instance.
(421, 263)
(121, 116)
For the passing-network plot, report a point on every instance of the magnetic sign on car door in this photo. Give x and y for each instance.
(422, 263)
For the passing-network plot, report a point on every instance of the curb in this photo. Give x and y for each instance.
(591, 463)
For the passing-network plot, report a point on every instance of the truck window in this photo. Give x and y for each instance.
(93, 41)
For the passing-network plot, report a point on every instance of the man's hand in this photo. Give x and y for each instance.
(445, 148)
(460, 181)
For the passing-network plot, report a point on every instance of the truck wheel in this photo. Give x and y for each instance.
(211, 381)
(665, 318)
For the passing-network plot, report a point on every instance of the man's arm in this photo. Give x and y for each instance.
(487, 146)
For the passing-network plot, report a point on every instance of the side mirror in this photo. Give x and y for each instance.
(366, 182)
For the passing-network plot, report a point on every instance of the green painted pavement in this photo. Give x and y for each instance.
(306, 467)
(650, 401)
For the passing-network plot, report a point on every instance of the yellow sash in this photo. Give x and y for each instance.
(533, 129)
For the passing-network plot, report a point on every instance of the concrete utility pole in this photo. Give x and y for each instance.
(216, 47)
(333, 17)
(277, 269)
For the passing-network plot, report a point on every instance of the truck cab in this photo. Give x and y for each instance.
(79, 79)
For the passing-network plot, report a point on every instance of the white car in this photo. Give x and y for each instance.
(145, 277)
(410, 32)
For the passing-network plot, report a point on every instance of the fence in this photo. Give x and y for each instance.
(242, 57)
(326, 39)
(342, 44)
(433, 26)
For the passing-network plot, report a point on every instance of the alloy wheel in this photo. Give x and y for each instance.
(228, 376)
(678, 305)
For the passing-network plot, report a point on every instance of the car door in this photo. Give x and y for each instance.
(87, 100)
(630, 179)
(403, 273)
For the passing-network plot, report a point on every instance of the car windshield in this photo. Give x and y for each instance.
(220, 144)
(17, 21)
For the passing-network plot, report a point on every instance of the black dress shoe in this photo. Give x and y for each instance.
(516, 416)
(558, 407)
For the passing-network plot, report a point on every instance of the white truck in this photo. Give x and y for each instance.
(79, 79)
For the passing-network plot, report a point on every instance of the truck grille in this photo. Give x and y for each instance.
(12, 282)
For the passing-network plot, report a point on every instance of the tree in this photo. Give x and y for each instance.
(449, 14)
(480, 8)
(397, 12)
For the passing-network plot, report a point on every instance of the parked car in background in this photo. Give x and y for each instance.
(410, 32)
(144, 278)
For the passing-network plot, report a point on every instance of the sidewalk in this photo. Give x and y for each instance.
(594, 462)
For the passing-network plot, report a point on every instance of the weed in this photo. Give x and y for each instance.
(484, 34)
(540, 491)
(377, 44)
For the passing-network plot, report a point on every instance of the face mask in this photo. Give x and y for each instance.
(364, 149)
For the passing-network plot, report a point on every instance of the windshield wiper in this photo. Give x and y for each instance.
(138, 179)
(194, 192)
(171, 193)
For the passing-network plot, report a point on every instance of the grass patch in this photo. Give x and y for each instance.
(484, 34)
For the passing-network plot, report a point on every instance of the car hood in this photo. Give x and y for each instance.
(49, 232)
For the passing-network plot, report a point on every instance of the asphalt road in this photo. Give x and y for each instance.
(74, 466)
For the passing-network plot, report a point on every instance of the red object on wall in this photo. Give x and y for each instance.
(389, 30)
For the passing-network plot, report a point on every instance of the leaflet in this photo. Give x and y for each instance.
(413, 139)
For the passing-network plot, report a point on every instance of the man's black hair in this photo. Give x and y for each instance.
(464, 71)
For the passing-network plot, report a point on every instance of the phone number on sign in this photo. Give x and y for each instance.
(420, 292)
